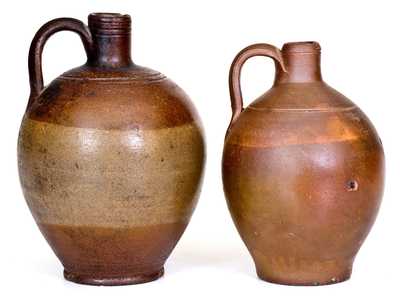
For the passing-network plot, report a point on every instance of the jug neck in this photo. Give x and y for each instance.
(302, 61)
(111, 33)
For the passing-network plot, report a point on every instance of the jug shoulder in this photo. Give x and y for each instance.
(133, 73)
(275, 128)
(298, 96)
(123, 99)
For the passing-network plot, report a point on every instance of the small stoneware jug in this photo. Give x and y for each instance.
(110, 157)
(303, 171)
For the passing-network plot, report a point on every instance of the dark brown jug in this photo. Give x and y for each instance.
(111, 158)
(303, 171)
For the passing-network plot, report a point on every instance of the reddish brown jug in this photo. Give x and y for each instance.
(111, 157)
(303, 171)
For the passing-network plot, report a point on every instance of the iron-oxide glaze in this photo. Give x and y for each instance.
(303, 171)
(111, 158)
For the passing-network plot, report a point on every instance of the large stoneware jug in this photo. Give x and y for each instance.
(110, 157)
(303, 171)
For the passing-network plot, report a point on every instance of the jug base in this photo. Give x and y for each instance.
(304, 278)
(114, 280)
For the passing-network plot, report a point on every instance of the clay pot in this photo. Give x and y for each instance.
(303, 171)
(110, 157)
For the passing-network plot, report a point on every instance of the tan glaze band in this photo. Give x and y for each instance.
(110, 178)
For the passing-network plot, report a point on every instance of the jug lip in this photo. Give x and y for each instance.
(302, 47)
(106, 22)
(109, 16)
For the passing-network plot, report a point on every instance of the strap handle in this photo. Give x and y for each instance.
(37, 45)
(236, 68)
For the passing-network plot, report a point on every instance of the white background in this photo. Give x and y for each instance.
(194, 42)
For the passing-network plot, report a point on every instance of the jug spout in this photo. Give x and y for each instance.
(302, 61)
(111, 34)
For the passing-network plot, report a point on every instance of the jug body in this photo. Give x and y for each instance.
(303, 171)
(110, 157)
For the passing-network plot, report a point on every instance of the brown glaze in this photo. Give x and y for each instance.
(86, 254)
(303, 171)
(111, 158)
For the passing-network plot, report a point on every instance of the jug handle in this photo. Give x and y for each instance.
(236, 68)
(37, 45)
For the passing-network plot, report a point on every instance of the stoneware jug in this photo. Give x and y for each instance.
(110, 157)
(303, 171)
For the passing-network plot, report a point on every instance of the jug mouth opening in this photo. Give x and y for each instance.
(302, 47)
(106, 23)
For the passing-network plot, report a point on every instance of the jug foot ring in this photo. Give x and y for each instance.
(114, 280)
